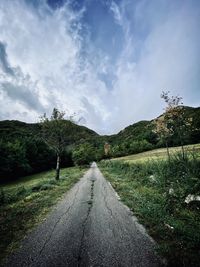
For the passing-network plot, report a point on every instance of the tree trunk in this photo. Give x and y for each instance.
(183, 150)
(167, 150)
(58, 167)
(182, 146)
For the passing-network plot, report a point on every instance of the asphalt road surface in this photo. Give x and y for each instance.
(89, 227)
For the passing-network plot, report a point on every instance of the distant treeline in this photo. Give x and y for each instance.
(25, 156)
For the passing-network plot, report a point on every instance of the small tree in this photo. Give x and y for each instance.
(55, 134)
(174, 122)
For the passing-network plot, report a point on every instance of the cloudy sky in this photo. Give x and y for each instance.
(105, 60)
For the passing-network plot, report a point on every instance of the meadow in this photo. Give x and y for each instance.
(159, 153)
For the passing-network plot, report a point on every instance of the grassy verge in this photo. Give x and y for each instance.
(25, 203)
(155, 191)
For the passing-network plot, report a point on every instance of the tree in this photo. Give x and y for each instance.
(55, 134)
(174, 122)
(84, 154)
(163, 132)
(13, 160)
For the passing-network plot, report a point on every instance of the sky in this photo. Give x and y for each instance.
(107, 61)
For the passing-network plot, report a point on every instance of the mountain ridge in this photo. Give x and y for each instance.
(33, 124)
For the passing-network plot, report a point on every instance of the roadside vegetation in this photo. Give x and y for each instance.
(162, 187)
(25, 202)
(163, 196)
(160, 153)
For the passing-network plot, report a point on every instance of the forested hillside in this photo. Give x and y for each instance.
(23, 151)
(142, 136)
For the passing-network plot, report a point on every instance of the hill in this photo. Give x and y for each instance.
(144, 129)
(141, 136)
(22, 150)
(13, 129)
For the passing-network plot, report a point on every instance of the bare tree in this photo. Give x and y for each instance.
(55, 134)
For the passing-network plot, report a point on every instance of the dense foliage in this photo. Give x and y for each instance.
(23, 151)
(23, 156)
(86, 153)
(55, 132)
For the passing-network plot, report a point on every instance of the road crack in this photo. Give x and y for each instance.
(59, 219)
(90, 204)
(54, 227)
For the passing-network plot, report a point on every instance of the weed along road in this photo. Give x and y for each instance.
(89, 227)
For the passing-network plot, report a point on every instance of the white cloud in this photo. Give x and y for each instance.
(55, 65)
(43, 45)
(116, 12)
(168, 60)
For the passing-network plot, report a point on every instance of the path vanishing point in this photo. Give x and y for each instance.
(89, 227)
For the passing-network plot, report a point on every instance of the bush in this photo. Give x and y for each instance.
(140, 146)
(7, 198)
(36, 188)
(47, 186)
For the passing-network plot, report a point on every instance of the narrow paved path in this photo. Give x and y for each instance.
(89, 227)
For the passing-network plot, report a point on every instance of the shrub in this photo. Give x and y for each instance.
(2, 196)
(36, 187)
(47, 186)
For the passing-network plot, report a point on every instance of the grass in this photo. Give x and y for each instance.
(25, 203)
(159, 153)
(155, 191)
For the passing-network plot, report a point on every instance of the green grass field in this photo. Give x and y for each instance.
(25, 203)
(155, 190)
(159, 153)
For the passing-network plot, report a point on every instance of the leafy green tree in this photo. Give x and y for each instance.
(140, 146)
(39, 155)
(55, 133)
(115, 152)
(13, 161)
(84, 154)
